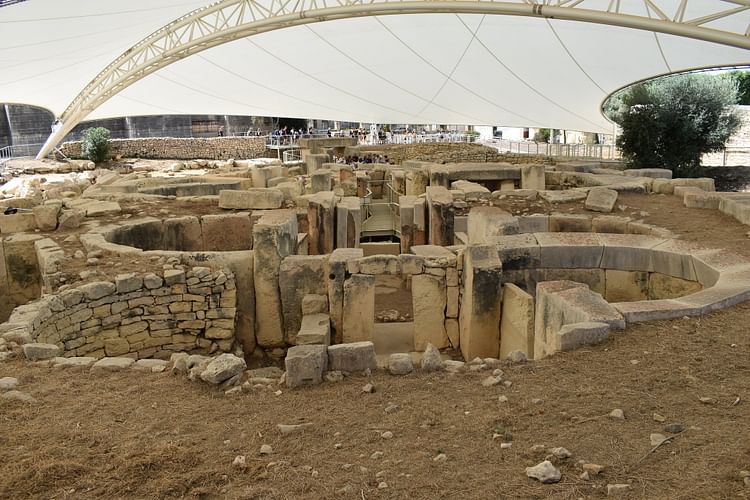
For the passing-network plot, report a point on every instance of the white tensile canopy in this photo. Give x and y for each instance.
(515, 63)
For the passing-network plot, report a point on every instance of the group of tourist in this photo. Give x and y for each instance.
(355, 160)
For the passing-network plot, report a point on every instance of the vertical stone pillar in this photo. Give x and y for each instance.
(348, 222)
(429, 301)
(441, 222)
(420, 222)
(345, 173)
(417, 176)
(274, 238)
(406, 218)
(480, 308)
(398, 181)
(359, 308)
(6, 305)
(439, 177)
(532, 177)
(22, 268)
(321, 219)
(315, 162)
(362, 182)
(299, 275)
(517, 322)
(337, 263)
(321, 181)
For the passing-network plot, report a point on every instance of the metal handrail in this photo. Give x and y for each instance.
(596, 151)
(14, 151)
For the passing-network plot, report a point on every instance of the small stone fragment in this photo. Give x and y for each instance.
(707, 401)
(376, 455)
(491, 381)
(517, 357)
(617, 414)
(502, 399)
(659, 418)
(586, 476)
(657, 439)
(560, 453)
(392, 408)
(674, 428)
(18, 396)
(368, 388)
(593, 469)
(544, 472)
(614, 490)
(266, 449)
(239, 462)
(440, 458)
(382, 485)
(8, 383)
(387, 435)
(431, 360)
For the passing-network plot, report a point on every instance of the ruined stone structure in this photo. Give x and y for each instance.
(286, 266)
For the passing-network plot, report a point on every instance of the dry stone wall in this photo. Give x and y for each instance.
(453, 153)
(138, 316)
(213, 148)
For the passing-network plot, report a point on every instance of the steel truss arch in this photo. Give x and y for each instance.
(229, 20)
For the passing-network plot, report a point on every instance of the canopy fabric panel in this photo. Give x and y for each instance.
(447, 67)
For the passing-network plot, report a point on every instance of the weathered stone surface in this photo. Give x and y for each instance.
(379, 264)
(532, 177)
(8, 383)
(601, 199)
(151, 365)
(429, 304)
(223, 367)
(73, 362)
(517, 322)
(299, 275)
(487, 222)
(358, 308)
(305, 365)
(37, 352)
(274, 238)
(46, 216)
(400, 364)
(112, 365)
(18, 396)
(561, 303)
(321, 214)
(441, 216)
(480, 308)
(352, 357)
(97, 290)
(128, 282)
(315, 329)
(431, 359)
(654, 173)
(575, 335)
(544, 472)
(314, 304)
(336, 273)
(253, 198)
(625, 286)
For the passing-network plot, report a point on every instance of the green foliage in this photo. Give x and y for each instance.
(671, 122)
(95, 144)
(541, 135)
(743, 86)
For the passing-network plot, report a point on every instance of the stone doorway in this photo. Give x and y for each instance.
(394, 317)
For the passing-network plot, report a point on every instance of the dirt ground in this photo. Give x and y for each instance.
(133, 435)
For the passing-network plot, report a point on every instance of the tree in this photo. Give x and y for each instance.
(95, 144)
(743, 86)
(673, 121)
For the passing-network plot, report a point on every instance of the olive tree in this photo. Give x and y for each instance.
(673, 121)
(95, 144)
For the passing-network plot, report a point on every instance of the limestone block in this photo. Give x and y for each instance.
(227, 232)
(46, 215)
(702, 199)
(569, 223)
(533, 177)
(519, 251)
(452, 296)
(70, 219)
(566, 196)
(37, 352)
(517, 322)
(435, 256)
(626, 286)
(315, 329)
(471, 190)
(129, 282)
(253, 198)
(275, 238)
(411, 264)
(704, 183)
(610, 224)
(660, 286)
(662, 186)
(222, 368)
(711, 264)
(429, 305)
(315, 162)
(305, 365)
(379, 264)
(348, 222)
(17, 223)
(112, 365)
(352, 357)
(453, 331)
(486, 222)
(290, 189)
(321, 181)
(570, 250)
(673, 258)
(400, 364)
(359, 308)
(336, 273)
(441, 213)
(100, 208)
(654, 173)
(299, 275)
(681, 191)
(577, 335)
(536, 223)
(628, 252)
(321, 213)
(21, 267)
(480, 308)
(314, 304)
(417, 179)
(560, 303)
(601, 199)
(116, 346)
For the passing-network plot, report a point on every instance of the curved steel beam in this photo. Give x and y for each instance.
(230, 20)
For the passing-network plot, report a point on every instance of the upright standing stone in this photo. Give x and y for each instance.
(321, 219)
(348, 222)
(480, 307)
(532, 177)
(359, 308)
(440, 206)
(517, 323)
(299, 275)
(305, 365)
(406, 218)
(336, 273)
(275, 237)
(429, 301)
(421, 221)
(321, 181)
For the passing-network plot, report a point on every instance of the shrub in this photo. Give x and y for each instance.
(672, 122)
(95, 144)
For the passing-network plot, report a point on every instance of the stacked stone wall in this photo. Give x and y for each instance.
(453, 153)
(138, 316)
(213, 148)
